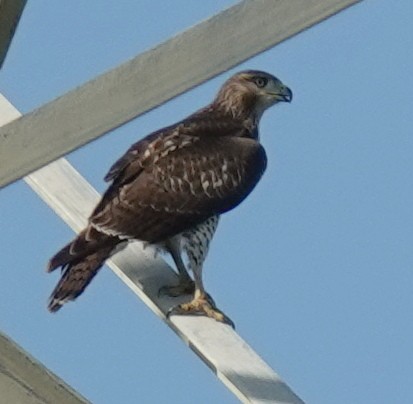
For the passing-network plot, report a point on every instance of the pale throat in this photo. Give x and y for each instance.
(242, 107)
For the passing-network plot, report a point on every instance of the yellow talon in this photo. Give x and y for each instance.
(201, 305)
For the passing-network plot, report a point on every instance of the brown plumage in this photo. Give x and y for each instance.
(170, 188)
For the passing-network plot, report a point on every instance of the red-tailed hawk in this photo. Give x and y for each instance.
(170, 188)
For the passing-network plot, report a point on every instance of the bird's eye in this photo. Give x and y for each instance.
(261, 82)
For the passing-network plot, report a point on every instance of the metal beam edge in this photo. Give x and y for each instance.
(152, 78)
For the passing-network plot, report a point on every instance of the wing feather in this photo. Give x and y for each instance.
(178, 177)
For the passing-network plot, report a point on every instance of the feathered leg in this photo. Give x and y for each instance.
(197, 246)
(202, 303)
(186, 284)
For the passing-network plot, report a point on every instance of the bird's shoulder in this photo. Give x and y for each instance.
(182, 174)
(205, 127)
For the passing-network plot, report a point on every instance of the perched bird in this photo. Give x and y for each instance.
(170, 188)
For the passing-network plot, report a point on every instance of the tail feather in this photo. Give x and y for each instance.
(60, 259)
(76, 276)
(86, 242)
(80, 261)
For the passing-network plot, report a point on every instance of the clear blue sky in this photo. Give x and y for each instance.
(315, 268)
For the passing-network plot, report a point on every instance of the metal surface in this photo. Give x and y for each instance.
(152, 78)
(24, 380)
(10, 13)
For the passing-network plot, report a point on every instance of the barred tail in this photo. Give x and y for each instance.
(76, 276)
(80, 261)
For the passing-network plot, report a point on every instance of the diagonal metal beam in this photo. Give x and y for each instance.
(25, 380)
(152, 78)
(218, 345)
(10, 13)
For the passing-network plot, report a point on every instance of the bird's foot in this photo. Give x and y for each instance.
(186, 287)
(202, 305)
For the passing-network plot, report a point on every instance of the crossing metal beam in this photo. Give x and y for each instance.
(120, 95)
(152, 78)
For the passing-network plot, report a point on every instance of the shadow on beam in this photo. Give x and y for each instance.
(10, 13)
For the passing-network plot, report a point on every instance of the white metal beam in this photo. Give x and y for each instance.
(10, 13)
(152, 78)
(218, 345)
(24, 380)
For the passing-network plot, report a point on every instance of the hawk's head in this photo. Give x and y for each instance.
(251, 92)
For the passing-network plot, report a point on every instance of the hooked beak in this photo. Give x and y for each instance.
(282, 93)
(285, 94)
